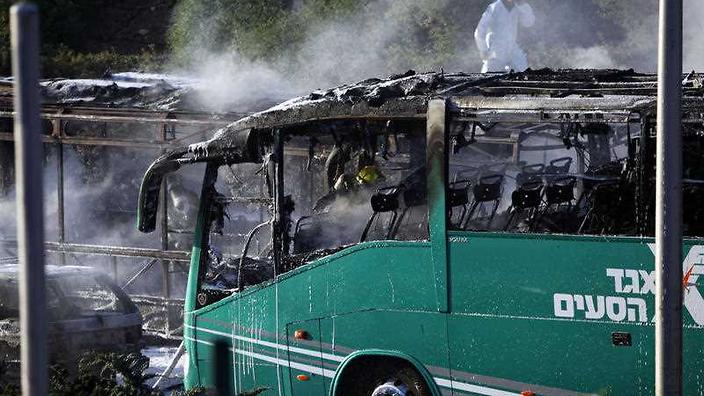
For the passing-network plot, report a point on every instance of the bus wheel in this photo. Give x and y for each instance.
(392, 378)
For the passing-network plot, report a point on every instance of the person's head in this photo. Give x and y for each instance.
(509, 3)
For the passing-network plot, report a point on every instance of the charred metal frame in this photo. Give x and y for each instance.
(163, 122)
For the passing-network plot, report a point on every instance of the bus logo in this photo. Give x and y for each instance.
(630, 287)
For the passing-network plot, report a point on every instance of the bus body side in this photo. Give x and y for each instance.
(560, 315)
(373, 296)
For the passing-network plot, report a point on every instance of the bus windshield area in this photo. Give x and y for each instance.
(576, 178)
(239, 215)
(363, 183)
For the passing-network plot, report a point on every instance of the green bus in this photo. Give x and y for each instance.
(437, 234)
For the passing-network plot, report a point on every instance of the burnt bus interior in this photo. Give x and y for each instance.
(567, 178)
(298, 182)
(341, 183)
(583, 178)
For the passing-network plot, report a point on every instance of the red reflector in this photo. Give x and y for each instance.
(300, 335)
(527, 393)
(302, 377)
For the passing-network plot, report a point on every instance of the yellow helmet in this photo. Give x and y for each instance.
(368, 174)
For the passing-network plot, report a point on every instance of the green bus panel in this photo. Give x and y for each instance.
(553, 314)
(373, 279)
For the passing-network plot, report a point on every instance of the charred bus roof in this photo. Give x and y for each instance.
(531, 96)
(404, 97)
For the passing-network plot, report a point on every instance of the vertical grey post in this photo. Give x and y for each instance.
(24, 22)
(164, 206)
(60, 198)
(668, 217)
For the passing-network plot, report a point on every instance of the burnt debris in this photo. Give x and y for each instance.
(87, 312)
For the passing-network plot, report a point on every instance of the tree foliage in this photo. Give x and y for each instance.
(71, 37)
(421, 33)
(391, 34)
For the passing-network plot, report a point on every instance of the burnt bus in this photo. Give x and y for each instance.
(437, 233)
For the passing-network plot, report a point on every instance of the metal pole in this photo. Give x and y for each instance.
(113, 262)
(24, 22)
(174, 361)
(60, 198)
(164, 205)
(668, 216)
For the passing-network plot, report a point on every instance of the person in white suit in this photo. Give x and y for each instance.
(497, 32)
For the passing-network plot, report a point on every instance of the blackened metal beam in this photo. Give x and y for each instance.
(87, 141)
(95, 116)
(279, 218)
(139, 273)
(118, 251)
(60, 213)
(164, 207)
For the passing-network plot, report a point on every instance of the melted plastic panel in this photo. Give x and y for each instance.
(552, 178)
(361, 183)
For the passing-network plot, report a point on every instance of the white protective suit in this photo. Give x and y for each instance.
(496, 36)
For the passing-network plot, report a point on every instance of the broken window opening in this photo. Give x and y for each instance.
(692, 182)
(239, 210)
(360, 182)
(342, 184)
(542, 178)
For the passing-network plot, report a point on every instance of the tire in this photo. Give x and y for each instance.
(365, 380)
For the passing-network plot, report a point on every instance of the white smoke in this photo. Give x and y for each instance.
(377, 41)
(635, 47)
(694, 35)
(386, 37)
(597, 57)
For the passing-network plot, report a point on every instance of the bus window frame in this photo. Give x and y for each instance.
(617, 118)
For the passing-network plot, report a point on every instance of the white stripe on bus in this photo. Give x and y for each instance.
(281, 362)
(445, 383)
(302, 351)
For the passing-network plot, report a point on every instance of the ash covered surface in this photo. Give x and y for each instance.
(133, 90)
(157, 96)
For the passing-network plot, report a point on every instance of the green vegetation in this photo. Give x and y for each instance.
(105, 374)
(97, 374)
(272, 30)
(67, 62)
(420, 34)
(85, 38)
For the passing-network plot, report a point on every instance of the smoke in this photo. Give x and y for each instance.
(228, 82)
(624, 34)
(101, 186)
(597, 57)
(384, 37)
(693, 35)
